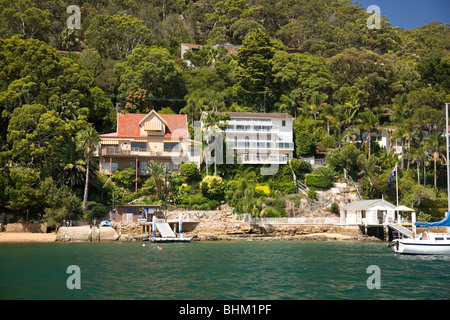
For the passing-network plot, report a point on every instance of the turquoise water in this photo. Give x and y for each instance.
(219, 270)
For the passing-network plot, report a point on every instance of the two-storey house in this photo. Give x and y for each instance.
(143, 137)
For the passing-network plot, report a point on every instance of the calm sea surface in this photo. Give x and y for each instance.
(219, 270)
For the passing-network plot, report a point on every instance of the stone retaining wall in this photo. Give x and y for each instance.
(26, 227)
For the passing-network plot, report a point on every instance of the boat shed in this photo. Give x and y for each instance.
(368, 212)
(134, 212)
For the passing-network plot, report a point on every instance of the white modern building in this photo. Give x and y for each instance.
(260, 138)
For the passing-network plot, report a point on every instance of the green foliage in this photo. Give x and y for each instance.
(213, 187)
(94, 211)
(253, 74)
(190, 171)
(318, 180)
(150, 69)
(116, 36)
(334, 208)
(343, 81)
(125, 178)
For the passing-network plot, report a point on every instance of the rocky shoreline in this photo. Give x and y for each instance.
(243, 231)
(201, 226)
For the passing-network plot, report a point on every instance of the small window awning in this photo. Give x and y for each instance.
(109, 142)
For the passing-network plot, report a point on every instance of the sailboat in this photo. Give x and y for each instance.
(429, 242)
(426, 242)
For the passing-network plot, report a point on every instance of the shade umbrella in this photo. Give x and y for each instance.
(403, 208)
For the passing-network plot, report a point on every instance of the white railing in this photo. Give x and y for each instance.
(289, 221)
(263, 158)
(260, 144)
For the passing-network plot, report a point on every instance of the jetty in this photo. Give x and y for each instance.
(166, 233)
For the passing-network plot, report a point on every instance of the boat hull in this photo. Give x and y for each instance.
(413, 246)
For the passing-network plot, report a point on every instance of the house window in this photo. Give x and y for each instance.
(175, 166)
(167, 163)
(171, 147)
(283, 123)
(110, 167)
(138, 146)
(143, 167)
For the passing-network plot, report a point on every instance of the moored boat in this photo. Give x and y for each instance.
(426, 242)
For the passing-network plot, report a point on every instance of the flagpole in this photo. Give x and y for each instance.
(396, 182)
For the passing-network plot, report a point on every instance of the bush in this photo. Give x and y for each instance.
(334, 208)
(212, 187)
(318, 181)
(94, 210)
(263, 190)
(190, 171)
(312, 194)
(285, 187)
(125, 178)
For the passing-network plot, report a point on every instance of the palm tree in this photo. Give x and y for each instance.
(194, 106)
(87, 140)
(70, 39)
(288, 104)
(368, 122)
(434, 143)
(157, 171)
(315, 103)
(74, 163)
(418, 155)
(214, 122)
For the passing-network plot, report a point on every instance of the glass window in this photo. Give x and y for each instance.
(114, 166)
(175, 166)
(283, 123)
(141, 146)
(171, 146)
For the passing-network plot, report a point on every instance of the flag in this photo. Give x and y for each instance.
(393, 174)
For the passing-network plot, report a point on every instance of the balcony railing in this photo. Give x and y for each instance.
(263, 158)
(116, 151)
(252, 128)
(261, 144)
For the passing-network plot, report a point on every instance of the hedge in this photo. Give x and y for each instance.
(318, 181)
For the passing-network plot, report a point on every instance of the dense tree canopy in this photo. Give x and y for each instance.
(315, 60)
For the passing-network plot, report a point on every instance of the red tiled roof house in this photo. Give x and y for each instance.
(143, 137)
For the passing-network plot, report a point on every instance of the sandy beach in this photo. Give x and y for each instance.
(10, 237)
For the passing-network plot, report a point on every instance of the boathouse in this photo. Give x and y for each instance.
(368, 212)
(134, 212)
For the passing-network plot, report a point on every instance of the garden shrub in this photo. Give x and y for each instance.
(190, 171)
(213, 187)
(318, 181)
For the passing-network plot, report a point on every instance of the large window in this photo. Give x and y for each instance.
(138, 146)
(171, 146)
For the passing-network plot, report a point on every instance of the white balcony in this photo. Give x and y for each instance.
(138, 152)
(260, 144)
(252, 128)
(263, 158)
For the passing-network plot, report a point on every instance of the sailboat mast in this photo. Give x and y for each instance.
(448, 165)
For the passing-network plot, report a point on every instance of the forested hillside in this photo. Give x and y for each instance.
(343, 80)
